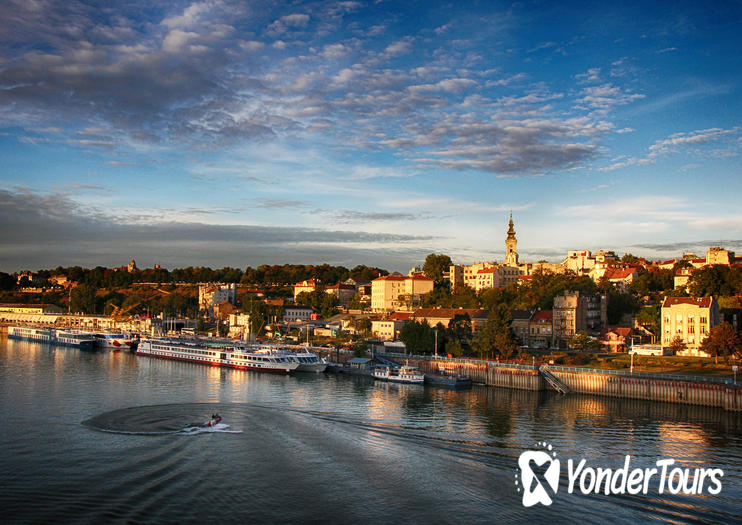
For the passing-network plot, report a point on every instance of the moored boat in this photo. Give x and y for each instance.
(114, 340)
(81, 340)
(448, 379)
(196, 351)
(403, 374)
(30, 333)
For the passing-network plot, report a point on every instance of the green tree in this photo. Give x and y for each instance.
(630, 258)
(722, 341)
(620, 304)
(582, 342)
(677, 345)
(82, 299)
(418, 337)
(436, 265)
(496, 336)
(360, 349)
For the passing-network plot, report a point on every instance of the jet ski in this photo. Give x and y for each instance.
(214, 421)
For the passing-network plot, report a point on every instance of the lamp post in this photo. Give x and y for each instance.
(436, 343)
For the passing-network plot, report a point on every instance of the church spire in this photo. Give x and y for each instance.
(511, 245)
(511, 230)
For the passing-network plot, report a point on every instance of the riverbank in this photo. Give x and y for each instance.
(685, 389)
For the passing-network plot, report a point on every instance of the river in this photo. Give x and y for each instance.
(109, 437)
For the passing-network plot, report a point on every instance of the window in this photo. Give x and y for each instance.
(703, 320)
(691, 329)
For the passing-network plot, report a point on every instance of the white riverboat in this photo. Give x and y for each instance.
(114, 340)
(196, 351)
(30, 333)
(308, 361)
(54, 336)
(81, 340)
(403, 374)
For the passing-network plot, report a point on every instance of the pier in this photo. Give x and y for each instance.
(688, 390)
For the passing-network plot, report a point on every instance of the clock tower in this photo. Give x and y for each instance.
(511, 245)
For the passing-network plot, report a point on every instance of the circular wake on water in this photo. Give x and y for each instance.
(178, 419)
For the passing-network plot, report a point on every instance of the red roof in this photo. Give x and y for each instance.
(418, 277)
(703, 302)
(543, 316)
(341, 286)
(391, 277)
(486, 270)
(400, 316)
(308, 282)
(620, 331)
(525, 277)
(619, 273)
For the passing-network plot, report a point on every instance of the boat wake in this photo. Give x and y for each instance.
(158, 420)
(203, 429)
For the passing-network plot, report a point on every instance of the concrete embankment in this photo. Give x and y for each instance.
(671, 389)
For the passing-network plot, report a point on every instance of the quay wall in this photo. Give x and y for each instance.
(705, 392)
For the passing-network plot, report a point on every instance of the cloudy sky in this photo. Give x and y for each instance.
(241, 133)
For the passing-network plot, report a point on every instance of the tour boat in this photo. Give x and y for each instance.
(403, 374)
(52, 336)
(196, 351)
(114, 340)
(80, 340)
(28, 333)
(308, 361)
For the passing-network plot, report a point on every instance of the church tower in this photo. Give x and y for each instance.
(511, 245)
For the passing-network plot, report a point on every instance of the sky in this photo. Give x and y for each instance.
(220, 133)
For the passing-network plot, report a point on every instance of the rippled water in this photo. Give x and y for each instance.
(111, 437)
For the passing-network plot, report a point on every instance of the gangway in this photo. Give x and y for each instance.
(553, 380)
(387, 361)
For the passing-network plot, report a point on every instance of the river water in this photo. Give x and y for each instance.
(110, 437)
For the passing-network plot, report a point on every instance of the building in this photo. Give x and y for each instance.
(579, 261)
(519, 322)
(30, 308)
(344, 292)
(691, 319)
(718, 255)
(540, 329)
(398, 292)
(621, 338)
(511, 245)
(444, 316)
(681, 278)
(296, 313)
(307, 286)
(213, 293)
(621, 277)
(577, 311)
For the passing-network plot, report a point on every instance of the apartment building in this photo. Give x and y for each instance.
(576, 311)
(691, 319)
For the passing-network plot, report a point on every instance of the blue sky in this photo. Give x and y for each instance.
(242, 133)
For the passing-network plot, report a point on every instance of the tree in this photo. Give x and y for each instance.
(677, 345)
(418, 337)
(722, 340)
(496, 336)
(436, 265)
(630, 258)
(82, 299)
(582, 342)
(360, 349)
